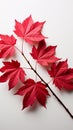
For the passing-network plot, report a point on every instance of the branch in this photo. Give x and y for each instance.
(58, 99)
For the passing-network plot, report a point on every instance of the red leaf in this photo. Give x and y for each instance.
(44, 55)
(29, 31)
(7, 46)
(12, 72)
(33, 91)
(62, 75)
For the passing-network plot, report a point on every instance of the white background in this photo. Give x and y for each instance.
(59, 28)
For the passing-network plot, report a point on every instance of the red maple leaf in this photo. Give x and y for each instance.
(29, 31)
(32, 91)
(62, 75)
(12, 72)
(44, 55)
(7, 45)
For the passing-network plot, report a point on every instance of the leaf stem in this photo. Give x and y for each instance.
(36, 70)
(58, 99)
(22, 45)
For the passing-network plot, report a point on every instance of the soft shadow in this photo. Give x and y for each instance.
(14, 90)
(66, 91)
(32, 109)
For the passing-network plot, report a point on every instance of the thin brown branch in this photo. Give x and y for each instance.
(58, 99)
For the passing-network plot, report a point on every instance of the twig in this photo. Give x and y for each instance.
(58, 99)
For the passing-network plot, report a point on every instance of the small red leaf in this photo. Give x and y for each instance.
(33, 91)
(12, 72)
(62, 75)
(44, 55)
(7, 48)
(29, 31)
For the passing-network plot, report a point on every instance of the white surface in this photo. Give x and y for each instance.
(59, 28)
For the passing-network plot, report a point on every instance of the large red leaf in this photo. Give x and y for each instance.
(32, 91)
(62, 75)
(7, 45)
(28, 30)
(12, 72)
(44, 55)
